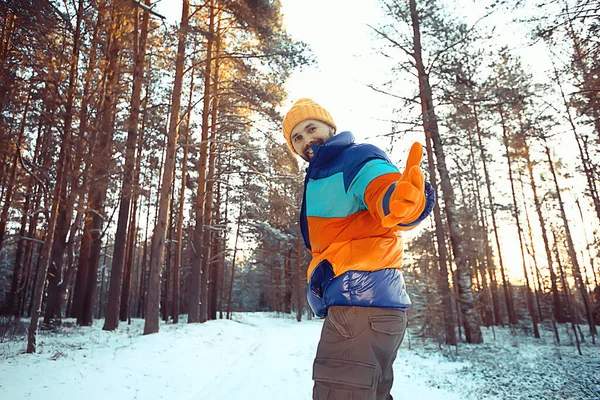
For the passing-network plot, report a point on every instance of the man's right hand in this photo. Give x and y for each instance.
(408, 198)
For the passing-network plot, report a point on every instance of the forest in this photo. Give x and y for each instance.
(144, 175)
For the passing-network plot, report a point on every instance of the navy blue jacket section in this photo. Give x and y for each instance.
(384, 288)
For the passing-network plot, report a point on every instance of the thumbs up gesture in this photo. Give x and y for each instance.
(407, 201)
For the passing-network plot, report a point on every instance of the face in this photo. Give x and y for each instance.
(307, 133)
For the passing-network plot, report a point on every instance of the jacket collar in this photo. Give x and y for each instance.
(330, 149)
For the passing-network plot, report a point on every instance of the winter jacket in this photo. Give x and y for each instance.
(355, 260)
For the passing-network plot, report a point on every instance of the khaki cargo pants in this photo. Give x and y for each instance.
(355, 354)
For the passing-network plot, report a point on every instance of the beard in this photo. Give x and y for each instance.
(308, 154)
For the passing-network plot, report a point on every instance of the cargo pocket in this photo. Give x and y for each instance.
(337, 317)
(329, 373)
(389, 324)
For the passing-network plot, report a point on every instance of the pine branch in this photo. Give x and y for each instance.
(148, 9)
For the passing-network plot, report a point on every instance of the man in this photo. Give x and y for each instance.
(355, 203)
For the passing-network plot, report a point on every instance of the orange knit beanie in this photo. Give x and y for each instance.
(302, 110)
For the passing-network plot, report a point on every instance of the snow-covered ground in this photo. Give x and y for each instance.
(264, 356)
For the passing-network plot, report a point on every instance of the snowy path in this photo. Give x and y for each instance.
(274, 363)
(255, 357)
(261, 356)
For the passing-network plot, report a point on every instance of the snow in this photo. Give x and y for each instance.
(269, 356)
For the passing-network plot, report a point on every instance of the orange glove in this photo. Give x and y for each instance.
(407, 200)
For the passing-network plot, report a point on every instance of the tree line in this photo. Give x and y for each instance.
(132, 158)
(495, 142)
(143, 175)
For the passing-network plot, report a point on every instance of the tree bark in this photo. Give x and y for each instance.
(207, 234)
(165, 309)
(589, 173)
(116, 276)
(66, 202)
(470, 319)
(572, 252)
(10, 186)
(567, 290)
(9, 307)
(158, 237)
(38, 292)
(486, 259)
(538, 207)
(85, 246)
(237, 237)
(531, 250)
(101, 162)
(179, 231)
(224, 242)
(528, 296)
(198, 277)
(40, 280)
(126, 296)
(505, 285)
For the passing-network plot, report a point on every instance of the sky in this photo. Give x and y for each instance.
(343, 46)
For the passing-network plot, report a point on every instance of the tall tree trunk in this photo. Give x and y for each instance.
(158, 237)
(169, 246)
(237, 237)
(85, 246)
(589, 173)
(101, 297)
(125, 306)
(531, 250)
(143, 266)
(127, 263)
(179, 231)
(218, 265)
(442, 275)
(528, 296)
(538, 207)
(207, 233)
(52, 216)
(470, 319)
(38, 292)
(101, 162)
(198, 276)
(505, 285)
(10, 186)
(66, 203)
(224, 241)
(126, 297)
(572, 252)
(567, 291)
(44, 158)
(588, 245)
(70, 273)
(116, 275)
(4, 167)
(486, 259)
(9, 29)
(24, 246)
(9, 305)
